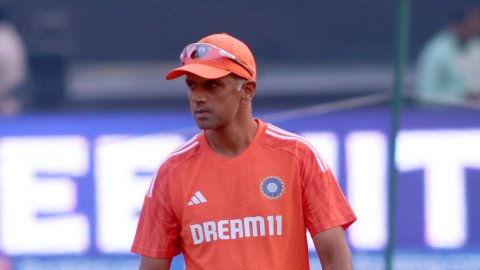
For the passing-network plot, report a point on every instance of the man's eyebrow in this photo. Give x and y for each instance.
(218, 81)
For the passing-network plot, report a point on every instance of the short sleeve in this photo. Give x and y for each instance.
(324, 204)
(158, 230)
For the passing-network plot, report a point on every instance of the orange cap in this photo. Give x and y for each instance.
(223, 66)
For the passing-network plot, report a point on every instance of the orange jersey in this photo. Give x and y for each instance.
(247, 212)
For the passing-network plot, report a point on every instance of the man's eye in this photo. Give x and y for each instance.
(190, 85)
(212, 85)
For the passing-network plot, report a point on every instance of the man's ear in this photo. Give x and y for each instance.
(248, 90)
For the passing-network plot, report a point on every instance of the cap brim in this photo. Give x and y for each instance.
(201, 70)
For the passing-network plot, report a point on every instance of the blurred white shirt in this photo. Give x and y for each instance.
(12, 68)
(470, 65)
(12, 59)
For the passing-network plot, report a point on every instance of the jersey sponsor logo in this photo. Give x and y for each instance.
(272, 187)
(197, 198)
(231, 229)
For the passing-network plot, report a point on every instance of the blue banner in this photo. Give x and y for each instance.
(71, 185)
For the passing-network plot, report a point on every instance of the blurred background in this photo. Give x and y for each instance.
(86, 116)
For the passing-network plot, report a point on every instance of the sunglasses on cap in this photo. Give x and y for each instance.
(209, 52)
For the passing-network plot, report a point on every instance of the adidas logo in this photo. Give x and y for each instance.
(198, 198)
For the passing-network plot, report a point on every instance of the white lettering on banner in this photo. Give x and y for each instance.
(247, 227)
(443, 155)
(39, 198)
(367, 189)
(120, 187)
(326, 144)
(25, 194)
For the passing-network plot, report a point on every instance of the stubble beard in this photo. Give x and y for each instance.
(205, 124)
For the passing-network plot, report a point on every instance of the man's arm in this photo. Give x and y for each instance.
(332, 249)
(147, 263)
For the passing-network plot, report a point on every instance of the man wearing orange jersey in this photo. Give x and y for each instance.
(242, 193)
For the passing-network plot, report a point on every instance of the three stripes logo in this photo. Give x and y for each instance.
(197, 198)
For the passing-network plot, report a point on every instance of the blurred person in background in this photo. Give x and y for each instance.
(442, 69)
(470, 68)
(12, 66)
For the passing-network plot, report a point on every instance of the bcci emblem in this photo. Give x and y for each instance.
(272, 187)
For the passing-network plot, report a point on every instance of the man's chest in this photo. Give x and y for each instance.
(234, 201)
(221, 189)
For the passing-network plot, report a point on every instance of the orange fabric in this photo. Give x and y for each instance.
(218, 69)
(247, 212)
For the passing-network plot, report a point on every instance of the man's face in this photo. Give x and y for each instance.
(213, 103)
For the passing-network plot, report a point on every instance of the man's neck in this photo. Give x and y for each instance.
(232, 140)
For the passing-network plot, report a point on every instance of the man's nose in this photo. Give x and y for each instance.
(199, 95)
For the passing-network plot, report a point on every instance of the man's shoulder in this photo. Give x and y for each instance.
(279, 138)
